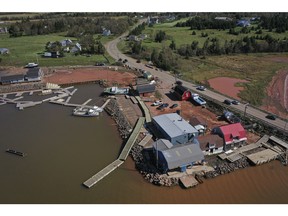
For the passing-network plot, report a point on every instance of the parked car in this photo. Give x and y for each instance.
(271, 117)
(201, 88)
(174, 106)
(157, 103)
(235, 102)
(100, 64)
(138, 61)
(31, 65)
(162, 106)
(228, 102)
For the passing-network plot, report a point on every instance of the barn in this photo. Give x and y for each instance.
(182, 92)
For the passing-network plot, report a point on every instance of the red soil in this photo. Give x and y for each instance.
(74, 75)
(226, 85)
(277, 94)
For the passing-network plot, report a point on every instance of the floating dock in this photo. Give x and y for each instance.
(188, 181)
(104, 172)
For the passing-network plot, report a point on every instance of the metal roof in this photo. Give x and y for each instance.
(33, 73)
(174, 125)
(180, 89)
(182, 155)
(12, 78)
(162, 144)
(145, 88)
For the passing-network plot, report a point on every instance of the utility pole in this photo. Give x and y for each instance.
(245, 108)
(157, 153)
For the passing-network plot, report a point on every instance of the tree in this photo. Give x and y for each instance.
(160, 36)
(173, 45)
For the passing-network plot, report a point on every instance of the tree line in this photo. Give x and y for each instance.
(74, 26)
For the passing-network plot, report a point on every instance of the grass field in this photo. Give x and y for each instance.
(30, 48)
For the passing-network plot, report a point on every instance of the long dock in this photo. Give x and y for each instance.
(104, 172)
(145, 109)
(124, 154)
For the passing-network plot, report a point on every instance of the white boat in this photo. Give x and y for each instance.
(115, 90)
(86, 112)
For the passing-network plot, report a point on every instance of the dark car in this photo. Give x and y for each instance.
(162, 106)
(228, 102)
(173, 106)
(201, 88)
(235, 102)
(271, 117)
(138, 61)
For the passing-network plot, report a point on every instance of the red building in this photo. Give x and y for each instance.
(182, 92)
(234, 135)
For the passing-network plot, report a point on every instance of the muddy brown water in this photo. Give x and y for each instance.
(63, 151)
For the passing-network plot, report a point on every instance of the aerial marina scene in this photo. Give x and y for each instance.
(154, 112)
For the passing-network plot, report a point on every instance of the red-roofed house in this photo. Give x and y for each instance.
(234, 135)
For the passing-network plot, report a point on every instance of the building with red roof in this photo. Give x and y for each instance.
(234, 135)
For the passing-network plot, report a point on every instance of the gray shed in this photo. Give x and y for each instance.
(174, 128)
(12, 79)
(146, 88)
(34, 74)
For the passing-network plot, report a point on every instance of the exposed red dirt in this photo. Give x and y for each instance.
(226, 85)
(277, 94)
(76, 75)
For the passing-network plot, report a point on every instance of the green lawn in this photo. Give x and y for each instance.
(29, 49)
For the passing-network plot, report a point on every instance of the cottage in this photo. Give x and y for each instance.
(152, 20)
(4, 51)
(133, 38)
(34, 74)
(211, 144)
(243, 23)
(182, 92)
(145, 89)
(18, 78)
(66, 42)
(147, 75)
(76, 48)
(234, 135)
(174, 128)
(106, 32)
(169, 157)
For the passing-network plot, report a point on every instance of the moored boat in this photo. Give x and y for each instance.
(116, 90)
(86, 112)
(15, 152)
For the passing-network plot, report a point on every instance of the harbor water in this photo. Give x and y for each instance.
(63, 151)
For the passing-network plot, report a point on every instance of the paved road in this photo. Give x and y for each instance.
(112, 49)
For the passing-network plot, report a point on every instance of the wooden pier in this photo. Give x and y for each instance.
(124, 154)
(145, 109)
(101, 174)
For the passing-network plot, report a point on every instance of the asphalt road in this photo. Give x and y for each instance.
(165, 76)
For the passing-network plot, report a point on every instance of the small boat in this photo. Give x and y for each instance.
(15, 152)
(116, 91)
(86, 112)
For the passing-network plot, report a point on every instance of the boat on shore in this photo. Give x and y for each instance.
(86, 112)
(116, 91)
(15, 152)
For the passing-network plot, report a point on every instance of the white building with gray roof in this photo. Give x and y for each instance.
(174, 128)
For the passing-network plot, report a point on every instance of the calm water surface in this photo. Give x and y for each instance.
(64, 151)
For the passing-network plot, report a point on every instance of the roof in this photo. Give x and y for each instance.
(145, 88)
(231, 131)
(210, 139)
(180, 89)
(162, 144)
(33, 73)
(182, 154)
(2, 50)
(12, 78)
(174, 125)
(197, 120)
(141, 81)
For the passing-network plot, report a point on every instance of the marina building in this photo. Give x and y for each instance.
(18, 78)
(34, 74)
(169, 156)
(174, 128)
